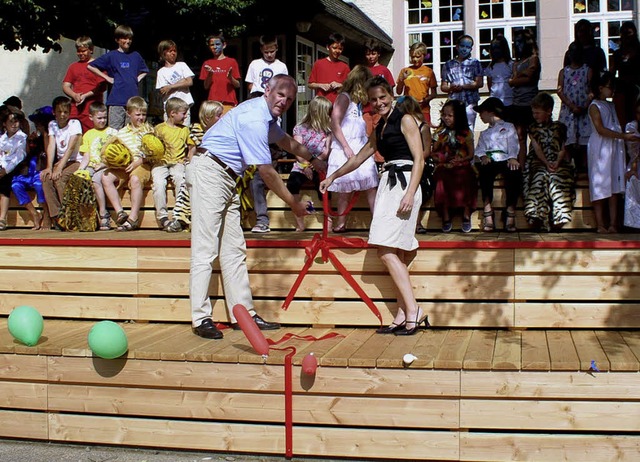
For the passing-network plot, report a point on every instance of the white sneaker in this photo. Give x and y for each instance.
(260, 228)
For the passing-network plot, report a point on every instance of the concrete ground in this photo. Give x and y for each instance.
(35, 451)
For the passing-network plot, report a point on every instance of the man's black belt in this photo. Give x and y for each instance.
(225, 167)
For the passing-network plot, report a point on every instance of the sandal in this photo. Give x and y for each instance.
(510, 222)
(340, 229)
(129, 225)
(163, 223)
(121, 218)
(3, 224)
(105, 222)
(488, 226)
(174, 227)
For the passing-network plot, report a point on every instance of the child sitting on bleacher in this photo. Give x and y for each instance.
(210, 112)
(178, 147)
(13, 149)
(93, 141)
(632, 194)
(137, 173)
(550, 191)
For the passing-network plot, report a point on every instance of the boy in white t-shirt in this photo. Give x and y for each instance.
(175, 78)
(262, 69)
(63, 155)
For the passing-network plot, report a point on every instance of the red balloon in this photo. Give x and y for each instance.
(309, 364)
(251, 330)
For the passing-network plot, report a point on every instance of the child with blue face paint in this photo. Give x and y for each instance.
(462, 77)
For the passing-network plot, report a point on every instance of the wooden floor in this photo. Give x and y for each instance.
(535, 353)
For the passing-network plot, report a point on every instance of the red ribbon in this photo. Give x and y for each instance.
(323, 243)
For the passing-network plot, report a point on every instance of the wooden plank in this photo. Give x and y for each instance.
(90, 306)
(84, 257)
(23, 424)
(620, 356)
(544, 416)
(577, 287)
(54, 337)
(545, 385)
(374, 346)
(589, 350)
(535, 353)
(20, 395)
(393, 354)
(508, 447)
(427, 348)
(591, 315)
(339, 355)
(562, 351)
(479, 354)
(275, 357)
(7, 342)
(63, 281)
(22, 367)
(171, 339)
(454, 347)
(228, 352)
(577, 261)
(507, 355)
(632, 339)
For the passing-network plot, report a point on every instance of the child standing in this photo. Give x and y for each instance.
(220, 74)
(92, 143)
(210, 112)
(418, 80)
(178, 147)
(462, 77)
(123, 69)
(262, 69)
(606, 154)
(137, 174)
(328, 74)
(454, 177)
(632, 194)
(349, 136)
(550, 193)
(81, 85)
(497, 151)
(498, 72)
(174, 78)
(63, 155)
(13, 149)
(574, 90)
(314, 131)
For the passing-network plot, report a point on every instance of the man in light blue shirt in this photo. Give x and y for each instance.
(239, 139)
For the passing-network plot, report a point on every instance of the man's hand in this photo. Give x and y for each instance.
(300, 209)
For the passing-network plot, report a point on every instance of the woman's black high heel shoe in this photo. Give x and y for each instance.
(391, 328)
(416, 326)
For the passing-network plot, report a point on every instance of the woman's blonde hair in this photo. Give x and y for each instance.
(318, 115)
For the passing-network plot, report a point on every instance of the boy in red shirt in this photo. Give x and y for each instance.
(83, 86)
(328, 74)
(220, 74)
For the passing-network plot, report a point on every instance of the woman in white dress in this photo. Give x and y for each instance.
(606, 155)
(349, 135)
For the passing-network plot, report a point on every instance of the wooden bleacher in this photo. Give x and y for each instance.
(508, 372)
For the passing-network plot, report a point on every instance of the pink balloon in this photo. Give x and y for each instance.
(309, 364)
(251, 330)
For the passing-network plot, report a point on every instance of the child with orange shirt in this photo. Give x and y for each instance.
(418, 80)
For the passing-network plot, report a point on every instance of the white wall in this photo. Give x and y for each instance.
(36, 77)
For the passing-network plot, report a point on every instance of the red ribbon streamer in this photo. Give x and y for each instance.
(288, 400)
(323, 244)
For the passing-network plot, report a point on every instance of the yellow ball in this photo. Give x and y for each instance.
(116, 155)
(152, 147)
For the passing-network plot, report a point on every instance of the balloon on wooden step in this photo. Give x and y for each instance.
(108, 340)
(25, 324)
(309, 364)
(251, 330)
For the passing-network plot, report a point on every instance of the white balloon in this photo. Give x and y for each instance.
(408, 358)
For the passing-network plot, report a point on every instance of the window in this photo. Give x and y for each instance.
(438, 24)
(502, 17)
(606, 17)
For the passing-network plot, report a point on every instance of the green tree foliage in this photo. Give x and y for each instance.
(35, 24)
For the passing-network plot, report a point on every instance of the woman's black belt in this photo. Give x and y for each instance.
(396, 173)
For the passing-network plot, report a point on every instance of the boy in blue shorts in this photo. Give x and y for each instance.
(123, 69)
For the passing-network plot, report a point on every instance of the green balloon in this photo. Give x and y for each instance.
(25, 323)
(108, 340)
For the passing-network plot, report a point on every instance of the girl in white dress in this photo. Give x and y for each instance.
(606, 155)
(349, 135)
